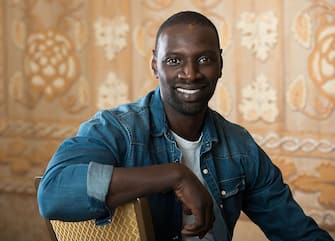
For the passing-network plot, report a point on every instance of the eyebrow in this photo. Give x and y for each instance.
(199, 53)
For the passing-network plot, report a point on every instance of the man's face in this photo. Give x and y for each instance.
(188, 63)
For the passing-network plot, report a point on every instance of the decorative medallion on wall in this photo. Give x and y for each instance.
(297, 93)
(314, 27)
(112, 92)
(302, 29)
(259, 33)
(51, 65)
(259, 101)
(322, 60)
(110, 33)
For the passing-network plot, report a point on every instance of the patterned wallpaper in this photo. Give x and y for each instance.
(62, 60)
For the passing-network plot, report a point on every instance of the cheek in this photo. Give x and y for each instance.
(167, 75)
(211, 71)
(161, 72)
(212, 76)
(165, 91)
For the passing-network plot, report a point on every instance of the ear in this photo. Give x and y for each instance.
(221, 62)
(154, 64)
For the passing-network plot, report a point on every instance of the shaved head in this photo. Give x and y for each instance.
(186, 18)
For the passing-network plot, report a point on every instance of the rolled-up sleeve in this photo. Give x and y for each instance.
(98, 180)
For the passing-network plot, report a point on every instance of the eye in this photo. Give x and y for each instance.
(204, 60)
(172, 61)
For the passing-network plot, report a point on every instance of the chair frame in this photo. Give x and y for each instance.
(142, 211)
(144, 219)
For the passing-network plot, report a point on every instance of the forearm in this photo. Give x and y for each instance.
(129, 183)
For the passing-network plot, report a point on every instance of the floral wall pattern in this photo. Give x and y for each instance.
(62, 60)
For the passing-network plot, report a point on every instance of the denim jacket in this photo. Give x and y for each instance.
(237, 172)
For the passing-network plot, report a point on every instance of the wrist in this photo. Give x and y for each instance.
(179, 172)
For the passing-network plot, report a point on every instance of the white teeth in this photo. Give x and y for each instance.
(189, 92)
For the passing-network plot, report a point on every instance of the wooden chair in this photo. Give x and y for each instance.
(131, 221)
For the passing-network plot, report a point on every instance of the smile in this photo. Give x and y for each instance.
(189, 92)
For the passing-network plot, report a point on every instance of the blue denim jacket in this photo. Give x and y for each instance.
(239, 175)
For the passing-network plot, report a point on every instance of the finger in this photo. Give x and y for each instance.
(195, 228)
(201, 229)
(186, 210)
(187, 231)
(199, 221)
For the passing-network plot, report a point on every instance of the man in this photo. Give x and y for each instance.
(197, 169)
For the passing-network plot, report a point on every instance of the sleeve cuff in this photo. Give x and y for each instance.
(98, 179)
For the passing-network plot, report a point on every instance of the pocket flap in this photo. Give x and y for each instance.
(232, 186)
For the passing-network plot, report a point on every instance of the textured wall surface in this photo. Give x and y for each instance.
(62, 60)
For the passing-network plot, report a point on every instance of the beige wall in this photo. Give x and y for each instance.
(61, 60)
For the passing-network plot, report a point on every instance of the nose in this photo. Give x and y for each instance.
(189, 71)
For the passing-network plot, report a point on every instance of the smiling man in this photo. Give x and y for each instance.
(187, 60)
(198, 170)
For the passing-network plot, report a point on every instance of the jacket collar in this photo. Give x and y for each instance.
(159, 124)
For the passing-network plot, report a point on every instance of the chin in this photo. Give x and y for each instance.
(193, 110)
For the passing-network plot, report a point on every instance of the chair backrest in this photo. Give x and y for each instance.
(131, 221)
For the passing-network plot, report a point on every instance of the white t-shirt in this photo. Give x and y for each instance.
(191, 158)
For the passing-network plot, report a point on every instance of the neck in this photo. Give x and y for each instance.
(187, 126)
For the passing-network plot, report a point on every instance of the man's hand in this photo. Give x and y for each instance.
(197, 201)
(129, 183)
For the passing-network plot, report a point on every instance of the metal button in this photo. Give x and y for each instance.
(223, 193)
(221, 206)
(205, 171)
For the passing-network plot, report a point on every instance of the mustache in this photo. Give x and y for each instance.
(193, 82)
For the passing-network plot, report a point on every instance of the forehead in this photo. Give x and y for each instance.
(188, 36)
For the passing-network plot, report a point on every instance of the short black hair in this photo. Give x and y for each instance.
(186, 17)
